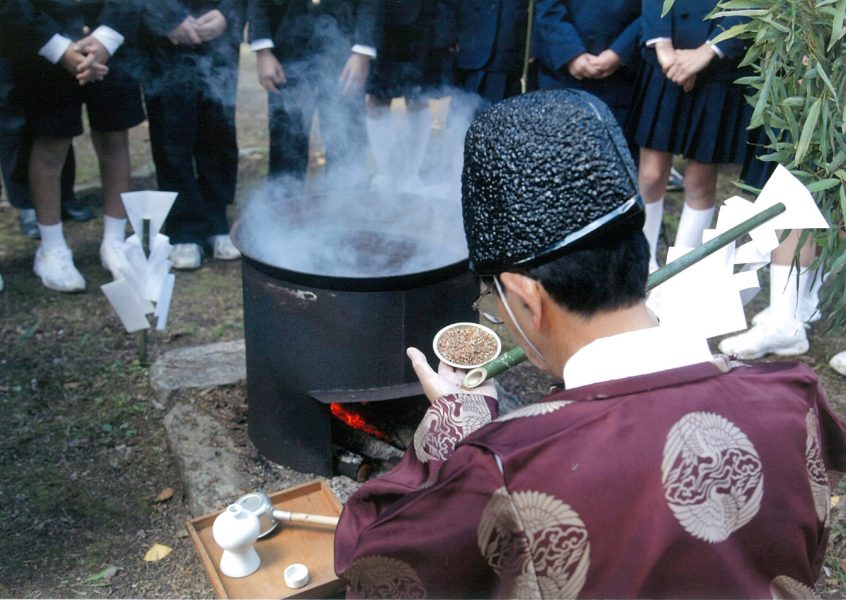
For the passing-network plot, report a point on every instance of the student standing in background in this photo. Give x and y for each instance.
(406, 67)
(686, 103)
(190, 90)
(67, 71)
(315, 56)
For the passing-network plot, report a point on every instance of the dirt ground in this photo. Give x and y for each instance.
(84, 463)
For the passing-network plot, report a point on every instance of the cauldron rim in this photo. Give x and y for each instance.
(384, 283)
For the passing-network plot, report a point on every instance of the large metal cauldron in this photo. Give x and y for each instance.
(335, 289)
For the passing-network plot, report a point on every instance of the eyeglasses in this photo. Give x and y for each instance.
(487, 290)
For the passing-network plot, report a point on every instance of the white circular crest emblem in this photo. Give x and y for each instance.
(711, 475)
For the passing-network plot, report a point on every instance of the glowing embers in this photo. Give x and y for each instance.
(356, 421)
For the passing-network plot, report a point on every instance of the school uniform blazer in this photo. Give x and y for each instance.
(402, 12)
(290, 23)
(565, 29)
(489, 35)
(36, 21)
(687, 26)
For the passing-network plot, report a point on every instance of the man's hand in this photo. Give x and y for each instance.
(446, 381)
(270, 72)
(354, 74)
(211, 25)
(689, 63)
(185, 33)
(607, 63)
(583, 67)
(666, 55)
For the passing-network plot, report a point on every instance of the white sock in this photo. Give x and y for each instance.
(419, 128)
(114, 229)
(785, 292)
(380, 134)
(52, 236)
(652, 226)
(692, 223)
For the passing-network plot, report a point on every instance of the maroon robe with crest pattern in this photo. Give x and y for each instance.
(703, 481)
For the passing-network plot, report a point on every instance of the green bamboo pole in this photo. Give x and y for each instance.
(476, 377)
(145, 246)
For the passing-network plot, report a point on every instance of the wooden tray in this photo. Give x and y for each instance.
(311, 545)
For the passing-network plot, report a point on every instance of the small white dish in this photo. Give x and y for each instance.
(487, 330)
(296, 576)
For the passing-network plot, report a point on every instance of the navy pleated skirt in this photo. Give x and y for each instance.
(707, 124)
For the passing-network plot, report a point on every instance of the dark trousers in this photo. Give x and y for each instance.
(16, 144)
(309, 88)
(190, 98)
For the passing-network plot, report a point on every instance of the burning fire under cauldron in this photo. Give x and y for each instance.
(336, 287)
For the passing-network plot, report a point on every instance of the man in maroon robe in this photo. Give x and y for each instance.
(657, 470)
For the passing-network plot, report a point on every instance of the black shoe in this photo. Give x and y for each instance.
(72, 211)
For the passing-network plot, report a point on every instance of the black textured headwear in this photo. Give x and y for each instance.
(545, 173)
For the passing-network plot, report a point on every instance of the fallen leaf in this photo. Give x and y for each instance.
(165, 495)
(835, 500)
(105, 575)
(843, 564)
(157, 552)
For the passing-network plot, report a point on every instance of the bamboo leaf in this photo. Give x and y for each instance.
(837, 29)
(824, 76)
(843, 205)
(732, 32)
(808, 130)
(668, 4)
(822, 185)
(763, 97)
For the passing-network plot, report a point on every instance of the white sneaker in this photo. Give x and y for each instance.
(111, 257)
(56, 269)
(838, 362)
(784, 339)
(186, 257)
(223, 248)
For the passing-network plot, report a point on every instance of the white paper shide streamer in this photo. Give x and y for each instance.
(716, 288)
(145, 285)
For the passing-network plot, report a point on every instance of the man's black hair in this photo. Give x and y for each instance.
(598, 278)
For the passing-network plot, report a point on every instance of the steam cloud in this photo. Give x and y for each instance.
(335, 225)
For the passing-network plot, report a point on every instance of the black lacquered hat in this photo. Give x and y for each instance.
(545, 173)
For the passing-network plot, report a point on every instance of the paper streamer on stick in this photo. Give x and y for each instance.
(146, 284)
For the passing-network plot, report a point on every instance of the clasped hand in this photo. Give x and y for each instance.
(682, 66)
(193, 31)
(86, 60)
(589, 66)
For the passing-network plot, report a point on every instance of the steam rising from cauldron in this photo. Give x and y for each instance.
(335, 225)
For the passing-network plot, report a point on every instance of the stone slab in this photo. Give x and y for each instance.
(211, 365)
(209, 462)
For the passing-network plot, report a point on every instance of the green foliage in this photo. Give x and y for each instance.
(797, 54)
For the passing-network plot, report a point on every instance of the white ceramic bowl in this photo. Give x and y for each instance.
(487, 330)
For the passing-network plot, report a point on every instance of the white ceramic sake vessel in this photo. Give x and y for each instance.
(235, 530)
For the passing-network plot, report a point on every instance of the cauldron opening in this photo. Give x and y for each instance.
(336, 287)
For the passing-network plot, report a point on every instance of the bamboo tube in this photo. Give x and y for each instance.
(286, 515)
(145, 246)
(476, 377)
